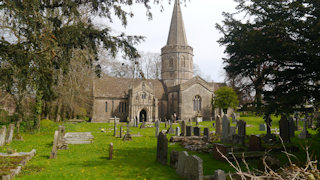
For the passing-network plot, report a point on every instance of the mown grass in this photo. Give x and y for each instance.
(131, 160)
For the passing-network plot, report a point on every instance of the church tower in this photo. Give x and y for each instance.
(177, 55)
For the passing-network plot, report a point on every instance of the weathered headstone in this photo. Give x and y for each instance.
(189, 131)
(242, 131)
(162, 148)
(296, 118)
(233, 130)
(127, 136)
(225, 129)
(234, 117)
(254, 143)
(53, 154)
(61, 141)
(218, 125)
(120, 131)
(268, 120)
(291, 127)
(78, 138)
(219, 175)
(206, 132)
(223, 151)
(196, 131)
(182, 160)
(194, 168)
(284, 129)
(10, 133)
(304, 133)
(183, 128)
(174, 156)
(3, 132)
(262, 127)
(177, 131)
(110, 151)
(157, 125)
(115, 127)
(170, 130)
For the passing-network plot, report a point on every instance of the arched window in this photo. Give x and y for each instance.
(197, 103)
(171, 63)
(106, 109)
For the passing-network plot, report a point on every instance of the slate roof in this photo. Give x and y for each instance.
(119, 87)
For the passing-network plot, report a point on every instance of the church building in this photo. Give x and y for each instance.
(178, 94)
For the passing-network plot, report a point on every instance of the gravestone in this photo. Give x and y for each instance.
(242, 131)
(284, 129)
(268, 120)
(262, 127)
(120, 131)
(219, 175)
(189, 131)
(291, 127)
(225, 129)
(143, 125)
(196, 131)
(234, 118)
(183, 128)
(61, 141)
(78, 138)
(223, 150)
(194, 168)
(206, 132)
(10, 133)
(296, 117)
(170, 130)
(53, 154)
(174, 157)
(3, 132)
(110, 151)
(137, 122)
(177, 131)
(254, 143)
(162, 148)
(157, 128)
(115, 127)
(218, 125)
(304, 133)
(127, 136)
(233, 130)
(182, 160)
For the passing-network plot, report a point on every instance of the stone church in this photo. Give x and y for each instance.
(177, 95)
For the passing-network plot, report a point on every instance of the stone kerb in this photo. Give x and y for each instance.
(3, 132)
(10, 133)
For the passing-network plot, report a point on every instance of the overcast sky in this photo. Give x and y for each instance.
(200, 17)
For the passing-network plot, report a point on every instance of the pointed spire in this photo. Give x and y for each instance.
(177, 33)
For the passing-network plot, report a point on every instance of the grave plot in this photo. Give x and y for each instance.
(11, 164)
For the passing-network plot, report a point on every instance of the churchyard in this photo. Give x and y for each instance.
(100, 151)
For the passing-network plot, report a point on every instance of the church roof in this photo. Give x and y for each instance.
(177, 34)
(112, 87)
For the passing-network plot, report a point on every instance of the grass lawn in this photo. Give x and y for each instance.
(131, 160)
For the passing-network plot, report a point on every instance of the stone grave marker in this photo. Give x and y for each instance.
(291, 127)
(121, 131)
(61, 141)
(174, 156)
(137, 122)
(194, 168)
(162, 148)
(218, 125)
(110, 151)
(225, 129)
(177, 131)
(234, 118)
(3, 132)
(10, 133)
(170, 130)
(262, 127)
(127, 136)
(78, 138)
(143, 125)
(196, 131)
(115, 127)
(233, 130)
(284, 129)
(242, 131)
(183, 128)
(53, 154)
(189, 131)
(157, 128)
(182, 160)
(206, 132)
(304, 133)
(296, 118)
(223, 150)
(219, 175)
(268, 120)
(254, 143)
